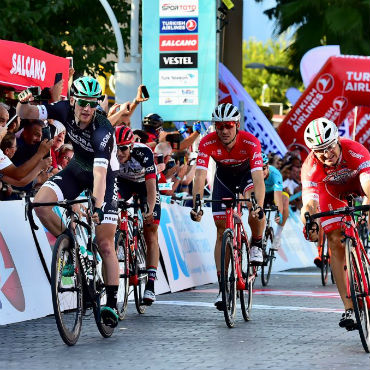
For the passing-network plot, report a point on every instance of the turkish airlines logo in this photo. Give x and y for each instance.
(178, 25)
(10, 284)
(178, 60)
(178, 42)
(325, 83)
(191, 25)
(340, 103)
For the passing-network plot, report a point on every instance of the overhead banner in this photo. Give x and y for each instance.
(179, 66)
(255, 122)
(342, 83)
(22, 66)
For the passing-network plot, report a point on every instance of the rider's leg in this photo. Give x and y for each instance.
(279, 227)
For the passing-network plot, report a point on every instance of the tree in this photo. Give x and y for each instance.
(323, 22)
(272, 53)
(67, 28)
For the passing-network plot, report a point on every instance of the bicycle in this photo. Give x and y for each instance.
(237, 275)
(324, 251)
(357, 267)
(131, 253)
(267, 242)
(76, 278)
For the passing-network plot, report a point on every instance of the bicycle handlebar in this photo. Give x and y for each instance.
(339, 211)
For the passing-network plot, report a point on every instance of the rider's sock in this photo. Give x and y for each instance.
(111, 295)
(152, 274)
(278, 231)
(257, 241)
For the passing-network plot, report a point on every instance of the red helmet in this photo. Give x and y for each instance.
(124, 135)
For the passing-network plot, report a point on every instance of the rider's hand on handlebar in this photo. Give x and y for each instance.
(279, 218)
(148, 218)
(258, 213)
(313, 232)
(196, 216)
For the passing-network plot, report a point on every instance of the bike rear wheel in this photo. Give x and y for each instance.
(142, 274)
(123, 261)
(325, 266)
(246, 294)
(228, 279)
(66, 290)
(356, 283)
(269, 256)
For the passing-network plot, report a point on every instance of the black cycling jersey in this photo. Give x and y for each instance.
(140, 166)
(94, 145)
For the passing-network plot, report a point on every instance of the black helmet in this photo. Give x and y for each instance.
(153, 120)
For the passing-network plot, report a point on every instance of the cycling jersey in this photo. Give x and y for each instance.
(94, 146)
(140, 166)
(4, 161)
(330, 185)
(274, 181)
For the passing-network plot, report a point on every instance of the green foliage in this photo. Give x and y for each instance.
(323, 22)
(67, 28)
(271, 53)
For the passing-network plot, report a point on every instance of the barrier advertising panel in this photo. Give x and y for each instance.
(179, 65)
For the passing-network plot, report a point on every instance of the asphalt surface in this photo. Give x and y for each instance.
(294, 326)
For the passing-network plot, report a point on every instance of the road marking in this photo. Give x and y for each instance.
(256, 306)
(287, 293)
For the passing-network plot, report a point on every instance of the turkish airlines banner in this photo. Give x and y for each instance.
(342, 83)
(362, 125)
(22, 66)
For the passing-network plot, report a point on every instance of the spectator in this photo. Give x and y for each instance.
(64, 156)
(59, 137)
(4, 114)
(293, 181)
(9, 145)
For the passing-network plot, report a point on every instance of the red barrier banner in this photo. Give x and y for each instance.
(342, 83)
(22, 66)
(362, 134)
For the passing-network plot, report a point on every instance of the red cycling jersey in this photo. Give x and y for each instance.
(247, 148)
(330, 185)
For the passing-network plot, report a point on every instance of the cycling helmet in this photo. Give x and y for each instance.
(265, 158)
(226, 112)
(86, 87)
(320, 133)
(124, 135)
(153, 120)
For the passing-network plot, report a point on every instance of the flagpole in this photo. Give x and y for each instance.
(354, 124)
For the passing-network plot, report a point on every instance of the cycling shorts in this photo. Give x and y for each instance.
(128, 188)
(224, 186)
(70, 182)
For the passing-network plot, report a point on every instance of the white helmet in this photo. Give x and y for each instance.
(320, 133)
(226, 112)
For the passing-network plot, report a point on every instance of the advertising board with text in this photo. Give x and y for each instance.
(179, 66)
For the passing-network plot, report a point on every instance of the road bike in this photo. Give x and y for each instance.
(267, 243)
(324, 252)
(237, 275)
(76, 271)
(131, 252)
(357, 266)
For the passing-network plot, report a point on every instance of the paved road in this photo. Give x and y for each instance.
(294, 326)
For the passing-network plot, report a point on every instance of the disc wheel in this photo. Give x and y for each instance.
(123, 261)
(357, 288)
(246, 294)
(228, 279)
(268, 256)
(142, 274)
(66, 290)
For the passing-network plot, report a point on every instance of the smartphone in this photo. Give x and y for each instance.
(35, 90)
(144, 91)
(70, 62)
(160, 158)
(58, 77)
(46, 134)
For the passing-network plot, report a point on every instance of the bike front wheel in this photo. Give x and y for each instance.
(357, 287)
(247, 273)
(142, 275)
(268, 257)
(228, 278)
(66, 290)
(325, 266)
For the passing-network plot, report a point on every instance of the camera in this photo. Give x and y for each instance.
(174, 139)
(34, 90)
(171, 163)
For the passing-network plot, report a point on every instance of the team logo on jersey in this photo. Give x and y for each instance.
(356, 155)
(325, 83)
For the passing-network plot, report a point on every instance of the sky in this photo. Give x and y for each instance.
(255, 23)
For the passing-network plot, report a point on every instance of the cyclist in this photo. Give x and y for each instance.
(275, 194)
(93, 166)
(137, 174)
(239, 163)
(335, 168)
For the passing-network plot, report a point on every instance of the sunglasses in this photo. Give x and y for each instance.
(84, 103)
(123, 148)
(221, 125)
(328, 149)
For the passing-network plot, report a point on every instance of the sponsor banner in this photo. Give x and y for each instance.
(178, 96)
(178, 42)
(178, 60)
(178, 25)
(170, 8)
(255, 122)
(341, 84)
(23, 66)
(178, 77)
(179, 54)
(362, 134)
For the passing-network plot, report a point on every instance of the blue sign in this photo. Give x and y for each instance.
(178, 25)
(179, 59)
